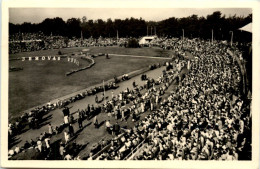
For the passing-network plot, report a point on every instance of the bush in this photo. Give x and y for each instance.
(133, 43)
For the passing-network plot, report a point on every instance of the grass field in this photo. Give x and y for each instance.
(42, 81)
(155, 52)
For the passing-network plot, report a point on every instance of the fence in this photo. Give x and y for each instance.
(134, 151)
(106, 147)
(241, 66)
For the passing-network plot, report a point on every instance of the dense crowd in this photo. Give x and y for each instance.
(26, 42)
(206, 118)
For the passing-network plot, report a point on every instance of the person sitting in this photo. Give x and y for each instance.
(68, 157)
(17, 149)
(11, 153)
(26, 145)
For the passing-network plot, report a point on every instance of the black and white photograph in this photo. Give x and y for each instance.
(127, 84)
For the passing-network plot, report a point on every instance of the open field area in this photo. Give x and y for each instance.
(42, 81)
(145, 51)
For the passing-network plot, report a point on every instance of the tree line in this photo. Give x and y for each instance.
(192, 27)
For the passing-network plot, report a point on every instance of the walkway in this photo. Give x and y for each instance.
(90, 135)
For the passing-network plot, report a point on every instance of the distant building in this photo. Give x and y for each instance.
(146, 40)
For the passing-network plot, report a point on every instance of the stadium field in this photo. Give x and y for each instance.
(42, 81)
(154, 51)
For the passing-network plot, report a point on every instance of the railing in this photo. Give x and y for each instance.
(134, 151)
(130, 155)
(241, 66)
(101, 151)
(106, 147)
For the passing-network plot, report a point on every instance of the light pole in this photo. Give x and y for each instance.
(182, 34)
(117, 36)
(231, 41)
(212, 36)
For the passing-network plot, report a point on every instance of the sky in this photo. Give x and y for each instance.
(37, 15)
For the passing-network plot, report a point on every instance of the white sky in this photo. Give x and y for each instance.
(37, 15)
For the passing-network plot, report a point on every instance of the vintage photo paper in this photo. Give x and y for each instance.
(130, 84)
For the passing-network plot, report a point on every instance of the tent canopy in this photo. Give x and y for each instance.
(146, 40)
(247, 28)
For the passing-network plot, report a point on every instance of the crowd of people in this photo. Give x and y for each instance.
(26, 42)
(207, 118)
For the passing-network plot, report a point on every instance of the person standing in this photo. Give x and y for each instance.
(151, 104)
(134, 84)
(47, 142)
(80, 121)
(120, 96)
(50, 129)
(96, 99)
(108, 126)
(116, 129)
(142, 107)
(62, 150)
(66, 120)
(156, 99)
(134, 118)
(71, 130)
(123, 115)
(95, 122)
(39, 145)
(66, 136)
(88, 109)
(112, 94)
(66, 111)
